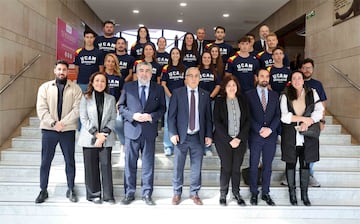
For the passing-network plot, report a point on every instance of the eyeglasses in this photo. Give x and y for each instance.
(307, 68)
(193, 76)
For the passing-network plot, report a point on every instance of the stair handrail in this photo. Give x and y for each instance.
(22, 71)
(345, 76)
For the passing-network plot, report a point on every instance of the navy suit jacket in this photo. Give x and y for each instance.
(257, 46)
(270, 118)
(130, 103)
(178, 115)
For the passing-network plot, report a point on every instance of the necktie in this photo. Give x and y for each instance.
(60, 99)
(264, 47)
(200, 48)
(263, 99)
(143, 96)
(192, 111)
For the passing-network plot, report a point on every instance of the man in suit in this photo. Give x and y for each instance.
(142, 104)
(57, 107)
(260, 45)
(200, 39)
(190, 129)
(265, 119)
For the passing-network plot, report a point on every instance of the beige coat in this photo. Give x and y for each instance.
(46, 105)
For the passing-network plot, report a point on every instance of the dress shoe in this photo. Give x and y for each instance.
(239, 200)
(110, 201)
(148, 200)
(127, 200)
(96, 200)
(254, 199)
(267, 199)
(196, 199)
(222, 201)
(71, 195)
(43, 195)
(176, 199)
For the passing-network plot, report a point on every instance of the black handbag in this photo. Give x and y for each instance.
(313, 131)
(246, 175)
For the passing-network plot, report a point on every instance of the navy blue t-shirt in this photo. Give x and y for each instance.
(208, 81)
(226, 50)
(189, 59)
(315, 84)
(156, 69)
(137, 49)
(115, 85)
(106, 45)
(162, 58)
(266, 60)
(173, 77)
(278, 78)
(88, 62)
(244, 70)
(126, 62)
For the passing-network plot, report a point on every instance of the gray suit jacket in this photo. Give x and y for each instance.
(89, 120)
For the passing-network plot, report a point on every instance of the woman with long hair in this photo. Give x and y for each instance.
(189, 53)
(232, 124)
(173, 76)
(217, 60)
(300, 109)
(142, 38)
(97, 116)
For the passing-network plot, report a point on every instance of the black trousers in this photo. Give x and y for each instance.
(231, 161)
(299, 154)
(67, 144)
(98, 161)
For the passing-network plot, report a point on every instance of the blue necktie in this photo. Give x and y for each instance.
(143, 96)
(192, 111)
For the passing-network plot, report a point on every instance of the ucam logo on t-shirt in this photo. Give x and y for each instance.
(106, 46)
(245, 67)
(88, 60)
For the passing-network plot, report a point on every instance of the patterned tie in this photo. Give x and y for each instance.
(192, 111)
(143, 96)
(263, 99)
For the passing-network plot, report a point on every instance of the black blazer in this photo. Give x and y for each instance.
(221, 121)
(258, 47)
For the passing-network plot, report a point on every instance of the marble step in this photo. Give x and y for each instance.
(332, 196)
(66, 212)
(163, 177)
(36, 132)
(11, 157)
(325, 150)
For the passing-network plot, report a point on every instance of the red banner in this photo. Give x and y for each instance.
(66, 44)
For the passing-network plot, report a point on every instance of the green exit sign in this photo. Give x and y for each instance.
(310, 14)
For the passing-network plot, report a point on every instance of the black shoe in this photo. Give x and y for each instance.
(254, 199)
(222, 200)
(148, 200)
(96, 200)
(239, 200)
(127, 200)
(43, 195)
(71, 195)
(267, 199)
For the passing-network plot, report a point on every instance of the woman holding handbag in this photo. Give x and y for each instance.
(300, 112)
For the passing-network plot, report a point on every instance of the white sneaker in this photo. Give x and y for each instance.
(283, 180)
(313, 182)
(208, 153)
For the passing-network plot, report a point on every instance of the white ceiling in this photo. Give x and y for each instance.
(163, 14)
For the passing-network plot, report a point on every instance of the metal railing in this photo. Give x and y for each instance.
(345, 76)
(22, 71)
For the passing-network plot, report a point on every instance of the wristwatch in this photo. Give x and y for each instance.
(323, 121)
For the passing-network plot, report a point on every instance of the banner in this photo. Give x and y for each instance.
(66, 44)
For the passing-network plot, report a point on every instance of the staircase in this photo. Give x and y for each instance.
(337, 199)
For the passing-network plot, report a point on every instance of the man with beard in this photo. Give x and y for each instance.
(265, 119)
(107, 42)
(58, 110)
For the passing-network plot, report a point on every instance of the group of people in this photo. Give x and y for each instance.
(204, 93)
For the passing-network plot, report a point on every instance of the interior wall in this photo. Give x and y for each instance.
(327, 44)
(28, 28)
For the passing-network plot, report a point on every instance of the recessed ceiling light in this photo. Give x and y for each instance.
(179, 20)
(183, 4)
(135, 11)
(141, 25)
(226, 15)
